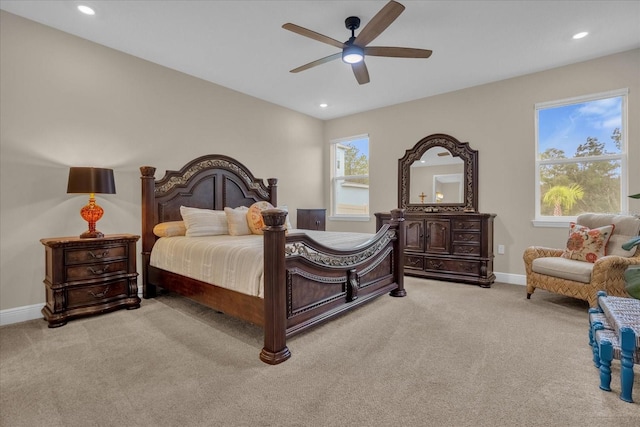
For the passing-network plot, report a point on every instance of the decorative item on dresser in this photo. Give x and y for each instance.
(446, 238)
(311, 219)
(89, 276)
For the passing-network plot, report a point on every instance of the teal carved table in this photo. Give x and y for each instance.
(614, 333)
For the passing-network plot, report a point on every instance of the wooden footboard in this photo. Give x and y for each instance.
(308, 283)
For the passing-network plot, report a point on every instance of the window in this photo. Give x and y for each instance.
(581, 156)
(350, 178)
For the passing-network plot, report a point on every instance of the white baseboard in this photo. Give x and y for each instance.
(28, 312)
(20, 314)
(31, 312)
(512, 279)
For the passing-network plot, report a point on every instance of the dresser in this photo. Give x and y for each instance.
(312, 219)
(89, 276)
(448, 246)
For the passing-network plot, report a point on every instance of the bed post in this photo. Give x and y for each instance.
(397, 221)
(273, 191)
(275, 299)
(148, 239)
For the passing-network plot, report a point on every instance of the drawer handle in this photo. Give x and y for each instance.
(466, 267)
(466, 250)
(98, 272)
(466, 226)
(99, 294)
(436, 265)
(99, 255)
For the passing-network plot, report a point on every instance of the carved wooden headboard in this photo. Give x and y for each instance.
(213, 181)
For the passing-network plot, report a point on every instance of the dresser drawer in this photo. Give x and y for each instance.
(452, 266)
(96, 294)
(414, 262)
(466, 237)
(466, 250)
(466, 224)
(96, 254)
(94, 271)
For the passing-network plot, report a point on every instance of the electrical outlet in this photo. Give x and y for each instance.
(500, 249)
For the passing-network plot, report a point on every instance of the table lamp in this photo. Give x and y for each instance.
(91, 180)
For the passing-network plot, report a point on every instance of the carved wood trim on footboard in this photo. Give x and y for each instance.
(309, 283)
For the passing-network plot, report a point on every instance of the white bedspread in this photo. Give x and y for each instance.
(233, 262)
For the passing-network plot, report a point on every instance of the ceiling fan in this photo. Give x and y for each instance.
(355, 49)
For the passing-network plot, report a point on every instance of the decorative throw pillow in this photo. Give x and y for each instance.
(170, 229)
(254, 216)
(237, 221)
(587, 244)
(204, 222)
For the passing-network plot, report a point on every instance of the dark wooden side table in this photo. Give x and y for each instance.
(89, 276)
(311, 219)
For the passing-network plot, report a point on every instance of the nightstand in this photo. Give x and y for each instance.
(89, 276)
(311, 219)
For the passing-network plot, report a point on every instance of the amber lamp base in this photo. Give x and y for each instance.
(92, 214)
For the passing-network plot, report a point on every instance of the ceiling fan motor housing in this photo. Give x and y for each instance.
(352, 23)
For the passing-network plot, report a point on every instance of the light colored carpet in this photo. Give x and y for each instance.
(446, 355)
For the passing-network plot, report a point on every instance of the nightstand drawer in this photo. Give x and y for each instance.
(96, 254)
(96, 294)
(98, 270)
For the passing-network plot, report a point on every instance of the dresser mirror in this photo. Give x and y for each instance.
(439, 174)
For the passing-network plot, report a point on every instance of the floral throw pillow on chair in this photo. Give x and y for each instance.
(587, 244)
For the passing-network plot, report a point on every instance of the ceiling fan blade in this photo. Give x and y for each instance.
(317, 62)
(397, 52)
(313, 35)
(379, 23)
(361, 72)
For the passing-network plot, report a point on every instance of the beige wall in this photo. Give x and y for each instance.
(66, 101)
(497, 119)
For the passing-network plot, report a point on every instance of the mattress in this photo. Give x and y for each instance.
(232, 262)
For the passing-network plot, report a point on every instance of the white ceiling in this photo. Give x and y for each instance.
(241, 45)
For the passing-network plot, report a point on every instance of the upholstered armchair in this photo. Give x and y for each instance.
(553, 269)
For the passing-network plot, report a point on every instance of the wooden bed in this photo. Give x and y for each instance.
(304, 282)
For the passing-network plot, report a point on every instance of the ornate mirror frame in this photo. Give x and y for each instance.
(470, 174)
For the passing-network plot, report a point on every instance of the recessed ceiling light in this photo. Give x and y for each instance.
(580, 35)
(86, 10)
(323, 105)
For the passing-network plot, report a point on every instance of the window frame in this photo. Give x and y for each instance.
(334, 180)
(563, 221)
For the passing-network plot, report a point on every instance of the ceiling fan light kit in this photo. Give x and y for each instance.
(352, 54)
(355, 49)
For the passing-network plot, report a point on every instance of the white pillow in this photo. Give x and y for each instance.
(237, 221)
(204, 222)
